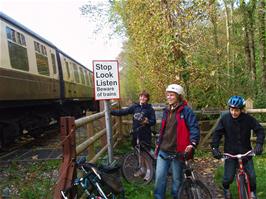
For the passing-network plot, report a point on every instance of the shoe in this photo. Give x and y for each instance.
(139, 172)
(227, 194)
(253, 195)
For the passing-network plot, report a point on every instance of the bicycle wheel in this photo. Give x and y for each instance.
(194, 190)
(243, 191)
(138, 172)
(185, 191)
(201, 190)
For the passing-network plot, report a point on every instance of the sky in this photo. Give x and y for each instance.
(61, 23)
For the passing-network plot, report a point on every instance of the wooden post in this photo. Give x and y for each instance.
(208, 135)
(120, 125)
(90, 133)
(249, 103)
(68, 167)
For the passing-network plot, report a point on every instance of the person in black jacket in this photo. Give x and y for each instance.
(143, 118)
(236, 126)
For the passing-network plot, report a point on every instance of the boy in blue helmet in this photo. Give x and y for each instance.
(236, 126)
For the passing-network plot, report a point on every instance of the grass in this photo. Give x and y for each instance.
(260, 169)
(134, 191)
(29, 180)
(37, 179)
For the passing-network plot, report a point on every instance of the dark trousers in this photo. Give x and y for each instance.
(143, 137)
(230, 167)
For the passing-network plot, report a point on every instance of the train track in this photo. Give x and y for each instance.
(27, 148)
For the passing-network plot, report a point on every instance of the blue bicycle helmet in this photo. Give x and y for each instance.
(236, 102)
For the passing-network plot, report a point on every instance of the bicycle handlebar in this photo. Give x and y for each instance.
(239, 156)
(184, 155)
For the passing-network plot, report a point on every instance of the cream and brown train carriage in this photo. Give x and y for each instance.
(38, 83)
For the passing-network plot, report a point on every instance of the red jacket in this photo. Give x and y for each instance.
(187, 130)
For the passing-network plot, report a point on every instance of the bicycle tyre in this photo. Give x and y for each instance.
(203, 190)
(194, 190)
(131, 165)
(185, 190)
(243, 191)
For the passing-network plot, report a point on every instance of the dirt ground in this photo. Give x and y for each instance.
(205, 169)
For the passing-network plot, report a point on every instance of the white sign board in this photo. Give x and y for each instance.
(106, 79)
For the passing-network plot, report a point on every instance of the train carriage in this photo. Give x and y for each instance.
(38, 83)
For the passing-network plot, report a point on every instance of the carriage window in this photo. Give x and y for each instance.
(11, 34)
(18, 56)
(41, 59)
(85, 76)
(37, 47)
(44, 50)
(23, 40)
(42, 64)
(18, 38)
(53, 63)
(17, 50)
(88, 78)
(76, 73)
(82, 75)
(67, 67)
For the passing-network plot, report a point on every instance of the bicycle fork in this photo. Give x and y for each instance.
(239, 175)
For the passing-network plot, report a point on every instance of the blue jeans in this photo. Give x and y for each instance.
(162, 168)
(230, 167)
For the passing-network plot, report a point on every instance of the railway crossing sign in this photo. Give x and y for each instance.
(106, 79)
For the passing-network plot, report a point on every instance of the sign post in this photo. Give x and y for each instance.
(106, 87)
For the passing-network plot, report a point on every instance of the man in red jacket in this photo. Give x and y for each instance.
(179, 133)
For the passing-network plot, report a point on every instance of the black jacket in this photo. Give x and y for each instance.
(237, 133)
(147, 111)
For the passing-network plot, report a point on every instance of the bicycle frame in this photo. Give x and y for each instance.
(240, 170)
(90, 182)
(98, 177)
(188, 171)
(142, 146)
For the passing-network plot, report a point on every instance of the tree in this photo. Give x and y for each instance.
(262, 41)
(186, 42)
(248, 20)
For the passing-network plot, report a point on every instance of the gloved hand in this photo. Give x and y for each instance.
(258, 149)
(190, 148)
(216, 153)
(144, 121)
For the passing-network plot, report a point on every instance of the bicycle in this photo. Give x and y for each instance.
(242, 179)
(191, 187)
(99, 182)
(139, 166)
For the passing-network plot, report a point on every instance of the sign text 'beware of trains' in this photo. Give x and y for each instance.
(106, 79)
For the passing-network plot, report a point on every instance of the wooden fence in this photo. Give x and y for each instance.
(68, 127)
